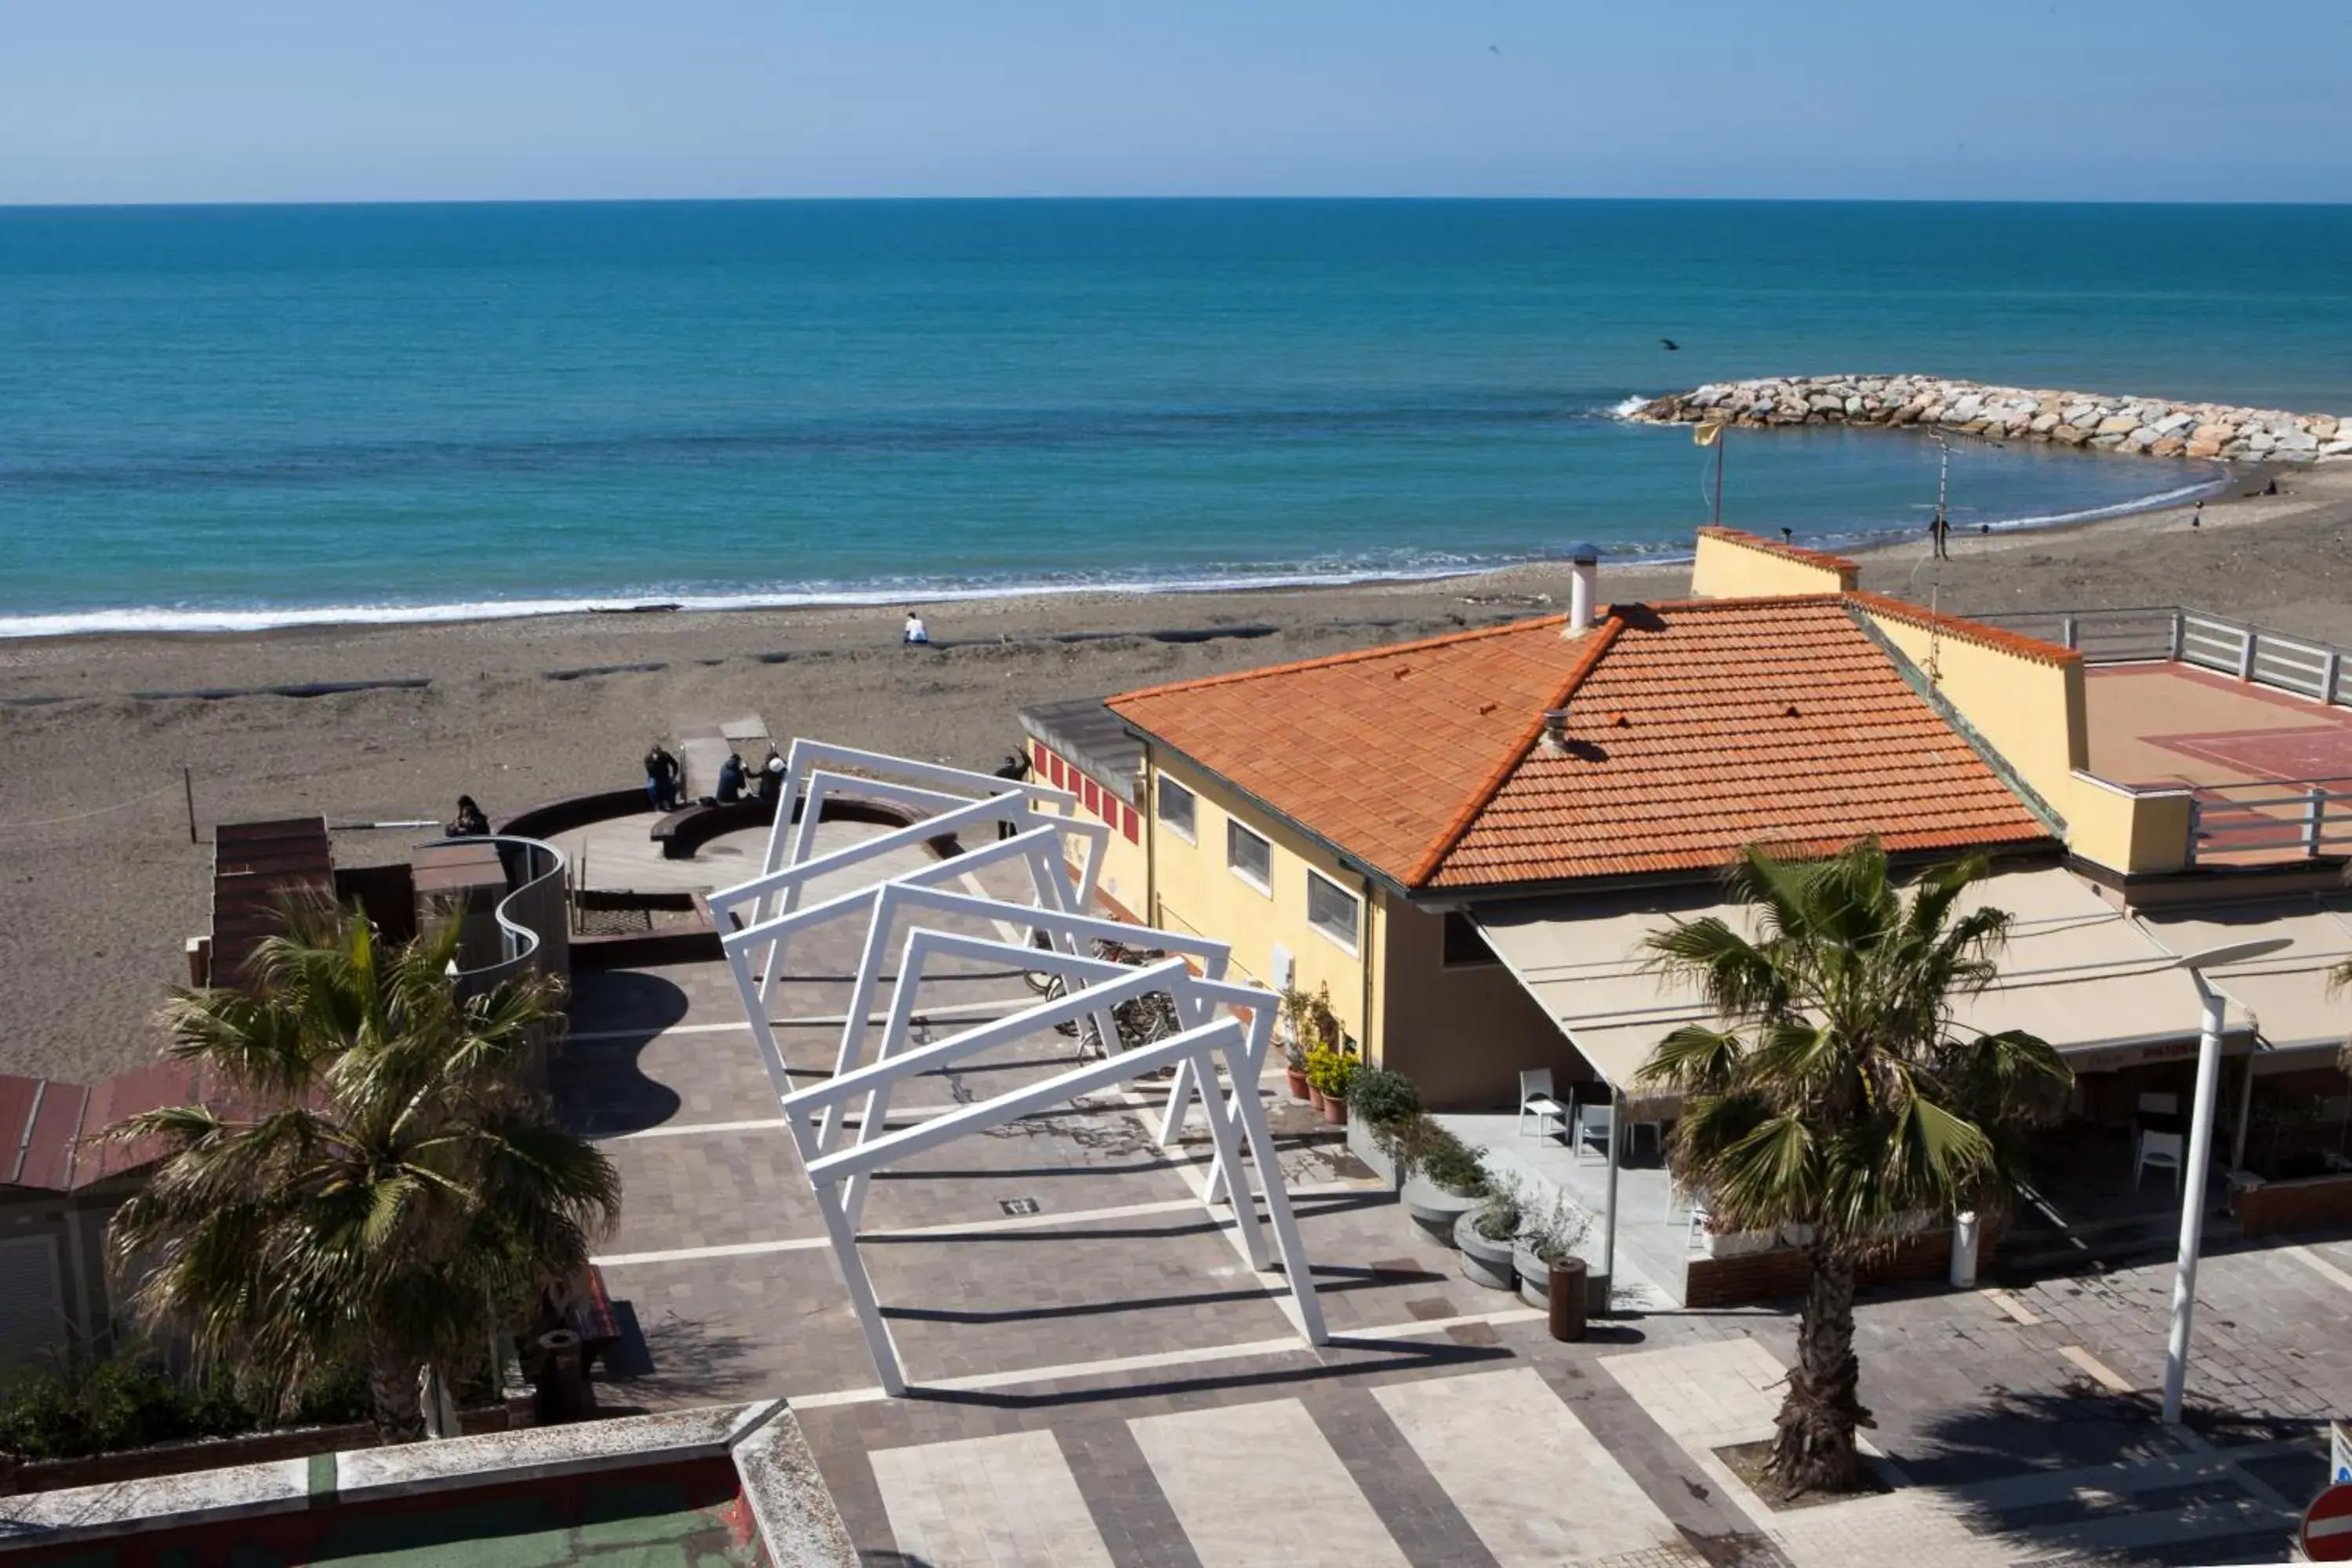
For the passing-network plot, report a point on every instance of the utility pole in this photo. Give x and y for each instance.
(188, 788)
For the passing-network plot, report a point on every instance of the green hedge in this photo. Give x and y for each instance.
(131, 1402)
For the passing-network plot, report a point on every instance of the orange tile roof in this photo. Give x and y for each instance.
(1693, 729)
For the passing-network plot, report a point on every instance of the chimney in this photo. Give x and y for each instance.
(1553, 742)
(1584, 574)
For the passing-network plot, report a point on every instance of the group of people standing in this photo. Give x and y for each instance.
(666, 778)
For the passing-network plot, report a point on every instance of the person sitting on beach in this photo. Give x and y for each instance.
(917, 633)
(470, 822)
(771, 775)
(661, 778)
(732, 779)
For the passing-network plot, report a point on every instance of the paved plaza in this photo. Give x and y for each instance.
(1100, 1378)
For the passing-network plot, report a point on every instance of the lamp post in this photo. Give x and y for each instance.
(2201, 1148)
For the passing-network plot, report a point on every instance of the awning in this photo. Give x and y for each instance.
(2286, 994)
(2098, 984)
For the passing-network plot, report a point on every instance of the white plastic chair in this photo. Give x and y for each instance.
(1595, 1120)
(2161, 1150)
(1535, 1099)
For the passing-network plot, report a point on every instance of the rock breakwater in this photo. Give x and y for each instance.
(2096, 420)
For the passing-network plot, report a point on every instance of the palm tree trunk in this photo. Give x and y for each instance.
(1814, 1447)
(392, 1392)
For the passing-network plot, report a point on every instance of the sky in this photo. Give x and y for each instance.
(244, 100)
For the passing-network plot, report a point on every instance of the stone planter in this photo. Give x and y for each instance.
(1484, 1262)
(1434, 1209)
(1534, 1283)
(1535, 1278)
(1367, 1148)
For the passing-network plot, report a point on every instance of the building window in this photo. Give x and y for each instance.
(1250, 856)
(1332, 909)
(1466, 944)
(1176, 813)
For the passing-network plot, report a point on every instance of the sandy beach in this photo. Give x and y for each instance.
(102, 885)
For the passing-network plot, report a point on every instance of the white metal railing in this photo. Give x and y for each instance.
(2250, 653)
(2309, 818)
(533, 915)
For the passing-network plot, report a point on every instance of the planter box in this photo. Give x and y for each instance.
(1364, 1147)
(1763, 1275)
(2306, 1203)
(1434, 1209)
(1484, 1262)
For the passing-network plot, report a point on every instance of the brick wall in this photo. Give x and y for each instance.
(2313, 1202)
(1770, 1276)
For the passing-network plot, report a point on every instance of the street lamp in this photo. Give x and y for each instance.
(2201, 1147)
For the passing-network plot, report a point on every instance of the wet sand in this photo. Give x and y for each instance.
(100, 886)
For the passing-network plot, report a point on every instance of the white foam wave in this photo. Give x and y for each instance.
(1625, 408)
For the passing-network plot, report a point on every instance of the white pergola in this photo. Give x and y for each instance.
(1218, 1020)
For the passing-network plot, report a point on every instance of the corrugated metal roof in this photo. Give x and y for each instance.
(1086, 731)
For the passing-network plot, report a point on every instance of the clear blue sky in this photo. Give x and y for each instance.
(112, 101)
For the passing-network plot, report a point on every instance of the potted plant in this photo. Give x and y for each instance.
(1381, 1106)
(1485, 1235)
(1443, 1179)
(1328, 1073)
(1557, 1232)
(1307, 1022)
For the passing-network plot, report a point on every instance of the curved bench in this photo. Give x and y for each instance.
(682, 831)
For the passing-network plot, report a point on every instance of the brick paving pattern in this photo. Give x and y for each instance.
(1106, 1381)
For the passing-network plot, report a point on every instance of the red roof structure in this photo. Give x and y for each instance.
(1690, 730)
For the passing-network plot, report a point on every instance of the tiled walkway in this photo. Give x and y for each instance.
(1103, 1381)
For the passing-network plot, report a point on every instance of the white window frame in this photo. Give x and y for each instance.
(1263, 884)
(1351, 945)
(1160, 787)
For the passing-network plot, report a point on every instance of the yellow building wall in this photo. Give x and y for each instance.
(1735, 566)
(2136, 832)
(2031, 710)
(1463, 1035)
(1123, 877)
(1197, 892)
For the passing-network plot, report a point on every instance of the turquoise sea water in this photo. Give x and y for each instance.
(235, 416)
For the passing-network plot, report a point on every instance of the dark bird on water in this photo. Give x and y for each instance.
(1671, 345)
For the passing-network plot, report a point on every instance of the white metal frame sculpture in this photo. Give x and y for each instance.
(817, 1116)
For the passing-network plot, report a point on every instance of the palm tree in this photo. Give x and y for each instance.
(1840, 1097)
(400, 1193)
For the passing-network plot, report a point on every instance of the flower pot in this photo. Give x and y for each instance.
(1484, 1262)
(1434, 1209)
(1335, 1110)
(1298, 1089)
(1314, 1099)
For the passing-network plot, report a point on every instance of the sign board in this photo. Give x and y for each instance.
(2339, 1451)
(2327, 1525)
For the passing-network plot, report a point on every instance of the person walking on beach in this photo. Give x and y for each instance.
(1941, 531)
(661, 778)
(1015, 768)
(917, 633)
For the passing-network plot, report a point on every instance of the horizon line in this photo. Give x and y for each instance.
(1068, 198)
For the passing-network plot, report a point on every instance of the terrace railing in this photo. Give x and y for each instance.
(534, 917)
(2251, 653)
(2271, 820)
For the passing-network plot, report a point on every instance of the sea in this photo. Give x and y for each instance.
(247, 416)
